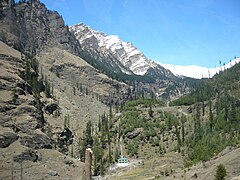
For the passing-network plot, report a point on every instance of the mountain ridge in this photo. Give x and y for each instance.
(125, 52)
(29, 27)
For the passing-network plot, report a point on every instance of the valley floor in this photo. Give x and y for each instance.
(170, 166)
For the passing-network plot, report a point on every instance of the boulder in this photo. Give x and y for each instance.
(53, 173)
(65, 139)
(134, 133)
(7, 138)
(29, 155)
(20, 91)
(27, 126)
(67, 136)
(37, 141)
(51, 107)
(24, 86)
(26, 110)
(69, 162)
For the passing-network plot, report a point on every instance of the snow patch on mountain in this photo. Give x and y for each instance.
(198, 72)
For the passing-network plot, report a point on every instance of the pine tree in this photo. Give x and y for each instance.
(226, 112)
(88, 134)
(203, 108)
(211, 116)
(101, 166)
(178, 137)
(65, 122)
(221, 173)
(81, 88)
(110, 112)
(34, 64)
(197, 125)
(233, 114)
(183, 120)
(99, 124)
(143, 94)
(150, 111)
(218, 104)
(116, 154)
(74, 90)
(14, 96)
(27, 74)
(109, 154)
(97, 155)
(82, 147)
(47, 88)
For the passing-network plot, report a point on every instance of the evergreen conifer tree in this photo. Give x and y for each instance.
(221, 173)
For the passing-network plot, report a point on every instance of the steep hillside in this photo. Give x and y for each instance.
(30, 144)
(82, 78)
(33, 29)
(226, 82)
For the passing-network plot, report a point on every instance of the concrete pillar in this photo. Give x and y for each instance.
(88, 163)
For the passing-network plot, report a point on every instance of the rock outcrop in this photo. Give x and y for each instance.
(28, 155)
(51, 107)
(7, 138)
(29, 26)
(134, 133)
(37, 141)
(19, 109)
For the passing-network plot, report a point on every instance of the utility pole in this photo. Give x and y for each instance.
(21, 170)
(12, 170)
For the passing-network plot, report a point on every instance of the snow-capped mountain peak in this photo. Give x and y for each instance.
(124, 52)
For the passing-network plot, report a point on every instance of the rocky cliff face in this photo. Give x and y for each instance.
(18, 106)
(6, 4)
(126, 56)
(30, 26)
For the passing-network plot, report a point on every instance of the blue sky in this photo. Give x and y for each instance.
(182, 32)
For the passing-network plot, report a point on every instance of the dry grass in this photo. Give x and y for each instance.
(5, 49)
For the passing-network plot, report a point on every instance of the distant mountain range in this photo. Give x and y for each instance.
(198, 72)
(126, 58)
